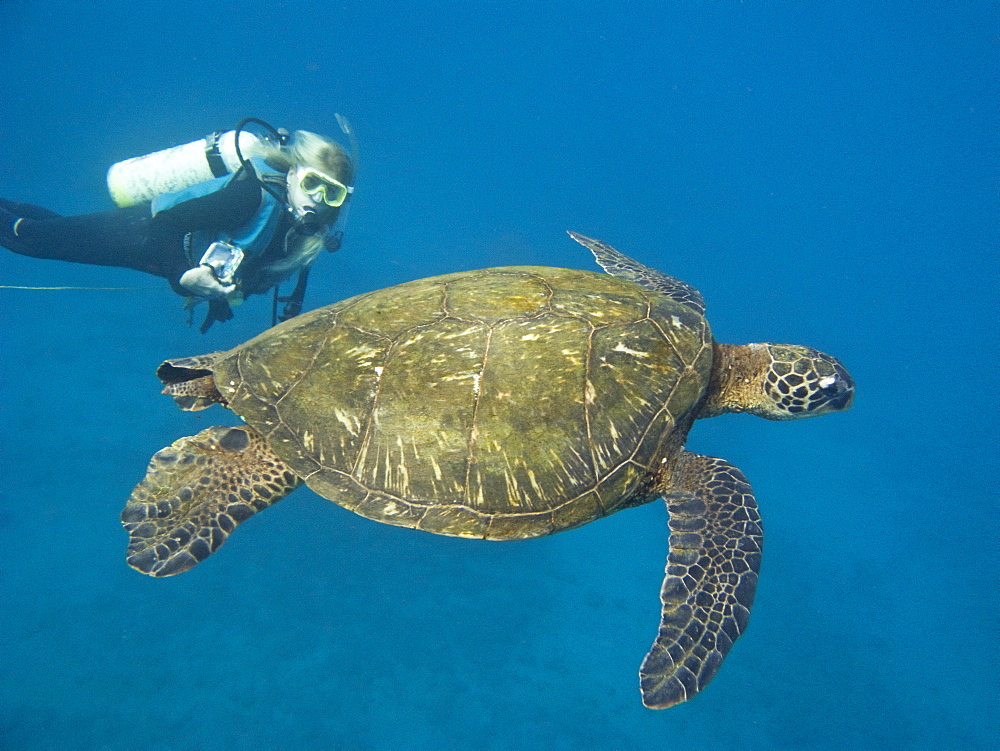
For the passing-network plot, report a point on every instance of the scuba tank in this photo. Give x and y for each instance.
(142, 178)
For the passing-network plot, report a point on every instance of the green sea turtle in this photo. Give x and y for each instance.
(501, 404)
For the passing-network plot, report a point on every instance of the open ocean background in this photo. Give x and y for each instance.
(826, 174)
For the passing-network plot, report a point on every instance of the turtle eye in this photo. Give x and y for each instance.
(829, 383)
(834, 391)
(840, 396)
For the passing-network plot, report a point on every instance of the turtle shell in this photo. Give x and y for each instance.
(504, 403)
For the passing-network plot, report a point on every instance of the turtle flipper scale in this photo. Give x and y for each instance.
(196, 491)
(618, 264)
(711, 578)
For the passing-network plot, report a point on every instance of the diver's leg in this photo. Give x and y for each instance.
(121, 237)
(27, 210)
(109, 238)
(9, 221)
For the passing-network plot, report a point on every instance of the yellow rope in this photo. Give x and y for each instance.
(112, 289)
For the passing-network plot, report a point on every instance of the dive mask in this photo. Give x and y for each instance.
(323, 188)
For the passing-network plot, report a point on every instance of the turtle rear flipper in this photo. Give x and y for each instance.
(618, 264)
(196, 491)
(190, 381)
(712, 568)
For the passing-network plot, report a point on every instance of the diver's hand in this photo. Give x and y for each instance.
(201, 282)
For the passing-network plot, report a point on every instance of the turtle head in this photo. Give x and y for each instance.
(803, 382)
(777, 381)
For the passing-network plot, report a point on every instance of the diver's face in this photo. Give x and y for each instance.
(301, 202)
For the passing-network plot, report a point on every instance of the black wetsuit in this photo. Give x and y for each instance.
(132, 238)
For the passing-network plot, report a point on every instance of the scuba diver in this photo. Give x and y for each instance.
(217, 224)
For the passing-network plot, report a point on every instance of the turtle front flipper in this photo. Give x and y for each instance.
(196, 491)
(712, 568)
(618, 264)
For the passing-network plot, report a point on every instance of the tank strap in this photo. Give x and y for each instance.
(213, 155)
(293, 303)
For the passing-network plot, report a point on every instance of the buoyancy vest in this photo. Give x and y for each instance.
(252, 237)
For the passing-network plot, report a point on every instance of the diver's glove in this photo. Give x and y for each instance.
(202, 282)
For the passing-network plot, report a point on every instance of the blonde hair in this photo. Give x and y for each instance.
(327, 156)
(312, 150)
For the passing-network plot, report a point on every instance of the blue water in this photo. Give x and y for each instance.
(825, 173)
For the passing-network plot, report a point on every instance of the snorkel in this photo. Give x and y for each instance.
(335, 235)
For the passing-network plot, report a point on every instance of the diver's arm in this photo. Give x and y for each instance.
(222, 210)
(201, 281)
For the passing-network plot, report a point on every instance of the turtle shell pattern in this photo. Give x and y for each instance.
(419, 405)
